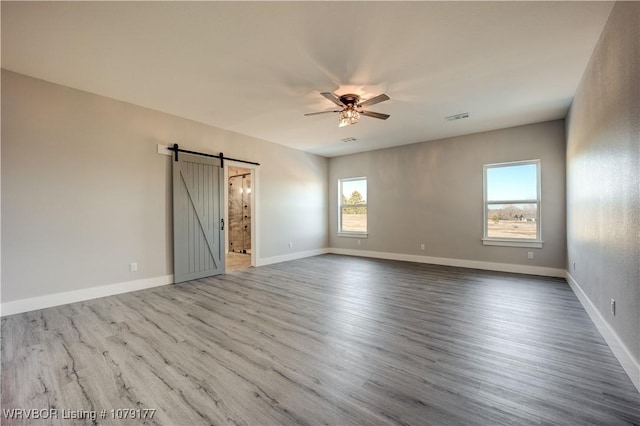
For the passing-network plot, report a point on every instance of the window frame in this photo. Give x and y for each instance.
(352, 234)
(505, 241)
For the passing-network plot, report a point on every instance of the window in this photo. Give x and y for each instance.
(352, 201)
(512, 204)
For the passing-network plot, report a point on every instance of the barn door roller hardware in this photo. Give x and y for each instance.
(175, 148)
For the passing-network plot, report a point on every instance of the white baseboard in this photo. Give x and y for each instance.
(462, 263)
(293, 256)
(630, 365)
(56, 299)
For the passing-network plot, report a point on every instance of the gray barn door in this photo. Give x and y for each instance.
(197, 217)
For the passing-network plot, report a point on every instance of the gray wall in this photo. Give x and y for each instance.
(85, 193)
(431, 193)
(603, 181)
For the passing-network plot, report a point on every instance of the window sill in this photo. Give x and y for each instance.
(512, 243)
(353, 234)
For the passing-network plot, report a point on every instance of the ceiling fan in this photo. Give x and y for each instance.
(352, 107)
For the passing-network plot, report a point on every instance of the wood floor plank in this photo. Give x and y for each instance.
(323, 340)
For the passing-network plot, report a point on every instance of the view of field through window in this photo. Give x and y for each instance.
(353, 210)
(512, 201)
(512, 221)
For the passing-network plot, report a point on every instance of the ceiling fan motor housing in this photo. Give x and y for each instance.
(350, 99)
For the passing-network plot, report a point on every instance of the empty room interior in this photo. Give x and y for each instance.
(262, 213)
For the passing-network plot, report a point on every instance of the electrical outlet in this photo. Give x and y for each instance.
(613, 307)
(290, 244)
(133, 267)
(422, 247)
(530, 255)
(359, 242)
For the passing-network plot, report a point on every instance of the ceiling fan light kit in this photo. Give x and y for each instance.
(352, 108)
(347, 117)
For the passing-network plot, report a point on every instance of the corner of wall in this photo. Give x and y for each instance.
(264, 261)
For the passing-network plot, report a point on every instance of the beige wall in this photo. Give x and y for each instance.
(603, 176)
(84, 192)
(431, 193)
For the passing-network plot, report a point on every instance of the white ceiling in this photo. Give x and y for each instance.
(257, 67)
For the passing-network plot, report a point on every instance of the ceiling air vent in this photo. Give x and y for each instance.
(348, 140)
(457, 116)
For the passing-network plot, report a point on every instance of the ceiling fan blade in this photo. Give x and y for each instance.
(333, 98)
(375, 115)
(321, 112)
(375, 100)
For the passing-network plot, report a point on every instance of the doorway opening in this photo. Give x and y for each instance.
(240, 207)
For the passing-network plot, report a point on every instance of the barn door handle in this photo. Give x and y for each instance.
(222, 221)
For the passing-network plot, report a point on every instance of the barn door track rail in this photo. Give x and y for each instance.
(176, 149)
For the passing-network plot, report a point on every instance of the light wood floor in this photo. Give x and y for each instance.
(324, 340)
(235, 261)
